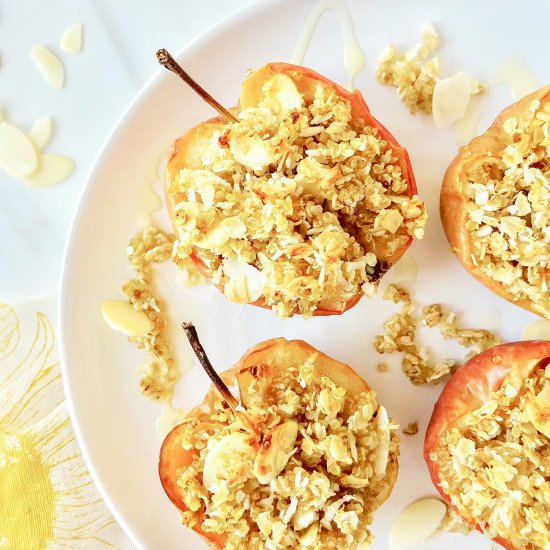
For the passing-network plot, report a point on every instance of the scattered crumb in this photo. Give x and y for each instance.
(476, 340)
(411, 428)
(49, 65)
(400, 336)
(411, 73)
(382, 367)
(416, 77)
(159, 373)
(72, 39)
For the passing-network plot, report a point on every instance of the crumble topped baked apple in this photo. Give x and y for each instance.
(488, 444)
(301, 204)
(320, 458)
(495, 204)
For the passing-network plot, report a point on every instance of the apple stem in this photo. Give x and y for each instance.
(230, 399)
(167, 61)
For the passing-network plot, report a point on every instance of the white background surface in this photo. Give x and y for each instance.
(120, 40)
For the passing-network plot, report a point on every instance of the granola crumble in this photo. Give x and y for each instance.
(159, 373)
(329, 481)
(476, 340)
(400, 336)
(495, 465)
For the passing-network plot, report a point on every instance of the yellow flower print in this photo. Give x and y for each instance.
(47, 498)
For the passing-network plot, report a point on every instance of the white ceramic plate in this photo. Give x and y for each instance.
(114, 423)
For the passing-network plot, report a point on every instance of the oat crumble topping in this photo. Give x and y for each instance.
(496, 466)
(382, 367)
(400, 336)
(411, 73)
(509, 210)
(329, 480)
(295, 208)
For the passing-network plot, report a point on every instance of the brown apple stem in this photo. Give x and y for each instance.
(165, 59)
(230, 399)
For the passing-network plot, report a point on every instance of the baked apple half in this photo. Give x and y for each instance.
(495, 204)
(322, 459)
(488, 444)
(301, 205)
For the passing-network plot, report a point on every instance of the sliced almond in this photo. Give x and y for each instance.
(329, 403)
(17, 154)
(252, 152)
(537, 330)
(121, 316)
(416, 523)
(382, 453)
(41, 132)
(51, 169)
(275, 451)
(228, 457)
(281, 95)
(49, 65)
(72, 39)
(313, 177)
(246, 282)
(404, 271)
(538, 413)
(216, 237)
(450, 99)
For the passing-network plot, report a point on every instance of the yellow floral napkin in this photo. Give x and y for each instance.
(47, 498)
